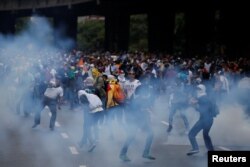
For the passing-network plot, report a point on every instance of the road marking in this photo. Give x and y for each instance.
(165, 123)
(224, 148)
(165, 143)
(73, 150)
(57, 124)
(82, 166)
(64, 135)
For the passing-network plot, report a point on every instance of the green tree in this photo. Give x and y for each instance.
(138, 33)
(179, 33)
(91, 34)
(21, 24)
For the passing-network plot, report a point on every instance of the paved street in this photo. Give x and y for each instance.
(22, 146)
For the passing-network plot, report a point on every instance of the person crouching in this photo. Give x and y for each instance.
(92, 108)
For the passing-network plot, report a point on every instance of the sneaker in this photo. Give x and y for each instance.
(124, 158)
(170, 127)
(191, 152)
(91, 148)
(148, 157)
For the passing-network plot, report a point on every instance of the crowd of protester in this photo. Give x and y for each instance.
(89, 79)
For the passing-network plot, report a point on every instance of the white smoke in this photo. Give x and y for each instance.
(36, 47)
(21, 56)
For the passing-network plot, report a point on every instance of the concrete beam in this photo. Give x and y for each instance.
(9, 5)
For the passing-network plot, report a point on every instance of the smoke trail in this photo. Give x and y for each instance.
(22, 57)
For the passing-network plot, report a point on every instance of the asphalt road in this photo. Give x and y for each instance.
(22, 146)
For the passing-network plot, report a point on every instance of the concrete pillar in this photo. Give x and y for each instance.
(161, 31)
(66, 28)
(117, 32)
(7, 23)
(234, 32)
(200, 26)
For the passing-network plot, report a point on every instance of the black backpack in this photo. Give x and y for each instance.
(214, 108)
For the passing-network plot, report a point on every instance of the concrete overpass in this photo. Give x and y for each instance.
(30, 4)
(206, 22)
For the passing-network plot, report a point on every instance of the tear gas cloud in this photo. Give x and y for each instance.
(23, 55)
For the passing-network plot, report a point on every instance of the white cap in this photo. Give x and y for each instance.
(198, 80)
(111, 77)
(52, 82)
(202, 87)
(201, 90)
(121, 78)
(89, 81)
(81, 92)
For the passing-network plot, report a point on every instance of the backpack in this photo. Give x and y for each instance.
(119, 95)
(214, 109)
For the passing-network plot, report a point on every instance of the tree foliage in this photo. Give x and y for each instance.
(179, 34)
(138, 33)
(91, 34)
(21, 24)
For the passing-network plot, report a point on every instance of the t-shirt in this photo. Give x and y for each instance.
(130, 87)
(53, 93)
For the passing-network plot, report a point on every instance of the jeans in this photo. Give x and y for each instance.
(51, 103)
(205, 125)
(178, 107)
(90, 129)
(132, 126)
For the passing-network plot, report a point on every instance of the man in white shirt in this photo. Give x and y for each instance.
(131, 85)
(225, 83)
(52, 96)
(134, 110)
